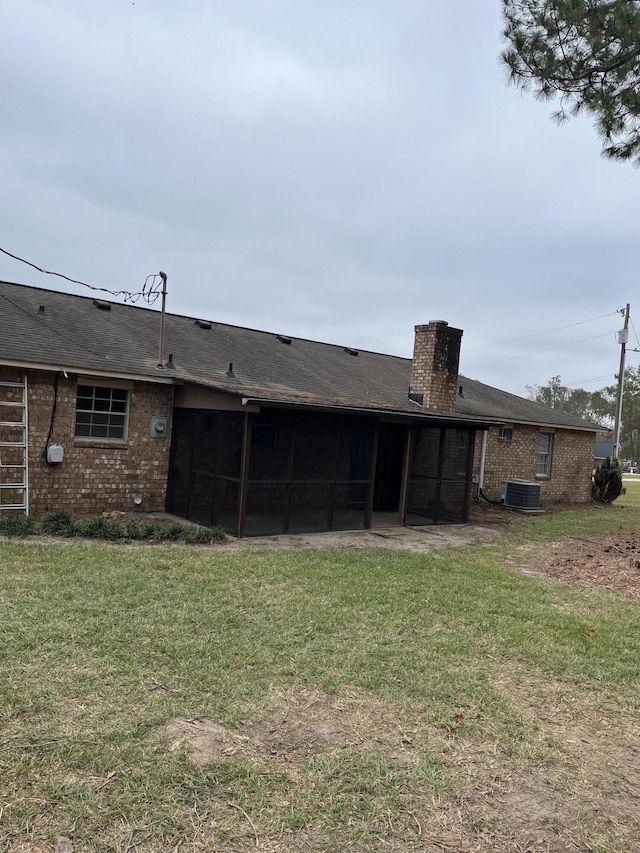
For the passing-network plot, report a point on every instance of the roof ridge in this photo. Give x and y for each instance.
(168, 314)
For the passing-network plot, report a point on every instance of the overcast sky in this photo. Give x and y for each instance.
(333, 169)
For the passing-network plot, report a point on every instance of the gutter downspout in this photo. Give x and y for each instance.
(483, 456)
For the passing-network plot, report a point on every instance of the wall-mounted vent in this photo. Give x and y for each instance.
(102, 305)
(417, 398)
(351, 351)
(520, 494)
(203, 324)
(284, 340)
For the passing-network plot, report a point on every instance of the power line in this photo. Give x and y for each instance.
(539, 334)
(586, 381)
(538, 352)
(151, 289)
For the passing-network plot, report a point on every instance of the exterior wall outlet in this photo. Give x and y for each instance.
(158, 428)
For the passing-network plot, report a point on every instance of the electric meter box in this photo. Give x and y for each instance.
(158, 428)
(55, 454)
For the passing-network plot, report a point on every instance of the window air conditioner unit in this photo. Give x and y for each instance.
(520, 494)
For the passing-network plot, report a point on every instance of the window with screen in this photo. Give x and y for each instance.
(101, 412)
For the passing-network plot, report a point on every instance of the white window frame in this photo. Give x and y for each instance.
(110, 413)
(505, 433)
(544, 454)
(463, 440)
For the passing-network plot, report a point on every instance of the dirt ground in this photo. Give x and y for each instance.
(485, 528)
(611, 562)
(586, 800)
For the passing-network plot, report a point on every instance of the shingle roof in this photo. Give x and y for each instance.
(481, 400)
(74, 334)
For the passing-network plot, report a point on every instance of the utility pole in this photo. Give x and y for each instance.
(163, 276)
(623, 337)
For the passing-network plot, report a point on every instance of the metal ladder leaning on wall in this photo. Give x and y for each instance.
(14, 448)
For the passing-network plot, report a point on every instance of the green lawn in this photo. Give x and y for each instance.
(446, 671)
(631, 497)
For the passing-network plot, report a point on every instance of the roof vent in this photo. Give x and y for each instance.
(284, 340)
(417, 398)
(41, 311)
(351, 351)
(170, 363)
(230, 372)
(203, 324)
(102, 305)
(460, 390)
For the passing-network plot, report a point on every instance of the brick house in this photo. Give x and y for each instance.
(256, 432)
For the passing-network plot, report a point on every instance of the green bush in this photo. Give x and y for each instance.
(57, 524)
(99, 528)
(202, 535)
(17, 525)
(132, 529)
(103, 527)
(607, 481)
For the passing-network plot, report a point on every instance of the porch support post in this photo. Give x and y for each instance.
(441, 452)
(404, 486)
(468, 487)
(244, 474)
(368, 510)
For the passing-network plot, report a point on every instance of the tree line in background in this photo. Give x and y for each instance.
(598, 406)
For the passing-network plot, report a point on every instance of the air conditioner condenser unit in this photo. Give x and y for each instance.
(520, 494)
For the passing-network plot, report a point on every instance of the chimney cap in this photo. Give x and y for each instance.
(438, 323)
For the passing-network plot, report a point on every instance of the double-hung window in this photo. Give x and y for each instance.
(545, 447)
(101, 412)
(462, 457)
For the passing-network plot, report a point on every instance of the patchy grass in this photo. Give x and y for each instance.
(346, 700)
(631, 497)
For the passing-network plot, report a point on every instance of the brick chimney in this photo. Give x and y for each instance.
(434, 369)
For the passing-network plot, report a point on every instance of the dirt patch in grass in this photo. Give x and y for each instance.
(609, 562)
(585, 798)
(296, 724)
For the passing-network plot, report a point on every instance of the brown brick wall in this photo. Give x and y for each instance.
(571, 463)
(434, 368)
(95, 476)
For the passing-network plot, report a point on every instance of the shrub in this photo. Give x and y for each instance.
(132, 529)
(99, 528)
(607, 481)
(113, 529)
(58, 524)
(202, 535)
(16, 525)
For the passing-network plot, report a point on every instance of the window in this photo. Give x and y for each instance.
(101, 412)
(545, 446)
(505, 433)
(462, 440)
